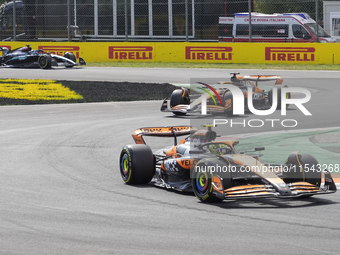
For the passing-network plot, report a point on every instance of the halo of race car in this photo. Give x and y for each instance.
(25, 57)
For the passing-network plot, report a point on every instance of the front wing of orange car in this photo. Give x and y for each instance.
(274, 189)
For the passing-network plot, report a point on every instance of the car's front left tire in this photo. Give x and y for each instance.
(179, 96)
(137, 164)
(202, 178)
(228, 103)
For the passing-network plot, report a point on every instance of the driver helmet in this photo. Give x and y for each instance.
(5, 50)
(219, 149)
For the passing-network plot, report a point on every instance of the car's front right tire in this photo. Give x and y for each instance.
(304, 167)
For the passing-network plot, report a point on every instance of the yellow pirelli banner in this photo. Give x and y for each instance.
(264, 53)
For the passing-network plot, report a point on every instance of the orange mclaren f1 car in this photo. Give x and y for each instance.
(211, 167)
(219, 98)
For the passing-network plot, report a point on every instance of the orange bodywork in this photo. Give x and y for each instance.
(161, 131)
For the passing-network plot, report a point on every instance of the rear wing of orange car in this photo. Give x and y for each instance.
(257, 78)
(235, 79)
(173, 131)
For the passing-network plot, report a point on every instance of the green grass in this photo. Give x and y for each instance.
(215, 65)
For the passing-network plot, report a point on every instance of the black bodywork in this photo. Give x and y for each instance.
(27, 58)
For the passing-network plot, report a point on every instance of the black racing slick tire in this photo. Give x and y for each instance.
(228, 103)
(137, 164)
(44, 61)
(179, 96)
(270, 97)
(202, 180)
(304, 168)
(70, 56)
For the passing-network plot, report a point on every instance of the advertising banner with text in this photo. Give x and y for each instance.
(261, 53)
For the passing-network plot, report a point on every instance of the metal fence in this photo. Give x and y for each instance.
(134, 20)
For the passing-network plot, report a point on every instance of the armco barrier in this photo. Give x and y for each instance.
(264, 53)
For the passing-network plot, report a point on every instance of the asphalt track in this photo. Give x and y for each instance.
(173, 75)
(61, 191)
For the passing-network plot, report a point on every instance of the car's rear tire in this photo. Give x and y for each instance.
(228, 103)
(44, 61)
(202, 179)
(270, 97)
(137, 165)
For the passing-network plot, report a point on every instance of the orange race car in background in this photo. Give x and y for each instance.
(220, 98)
(214, 170)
